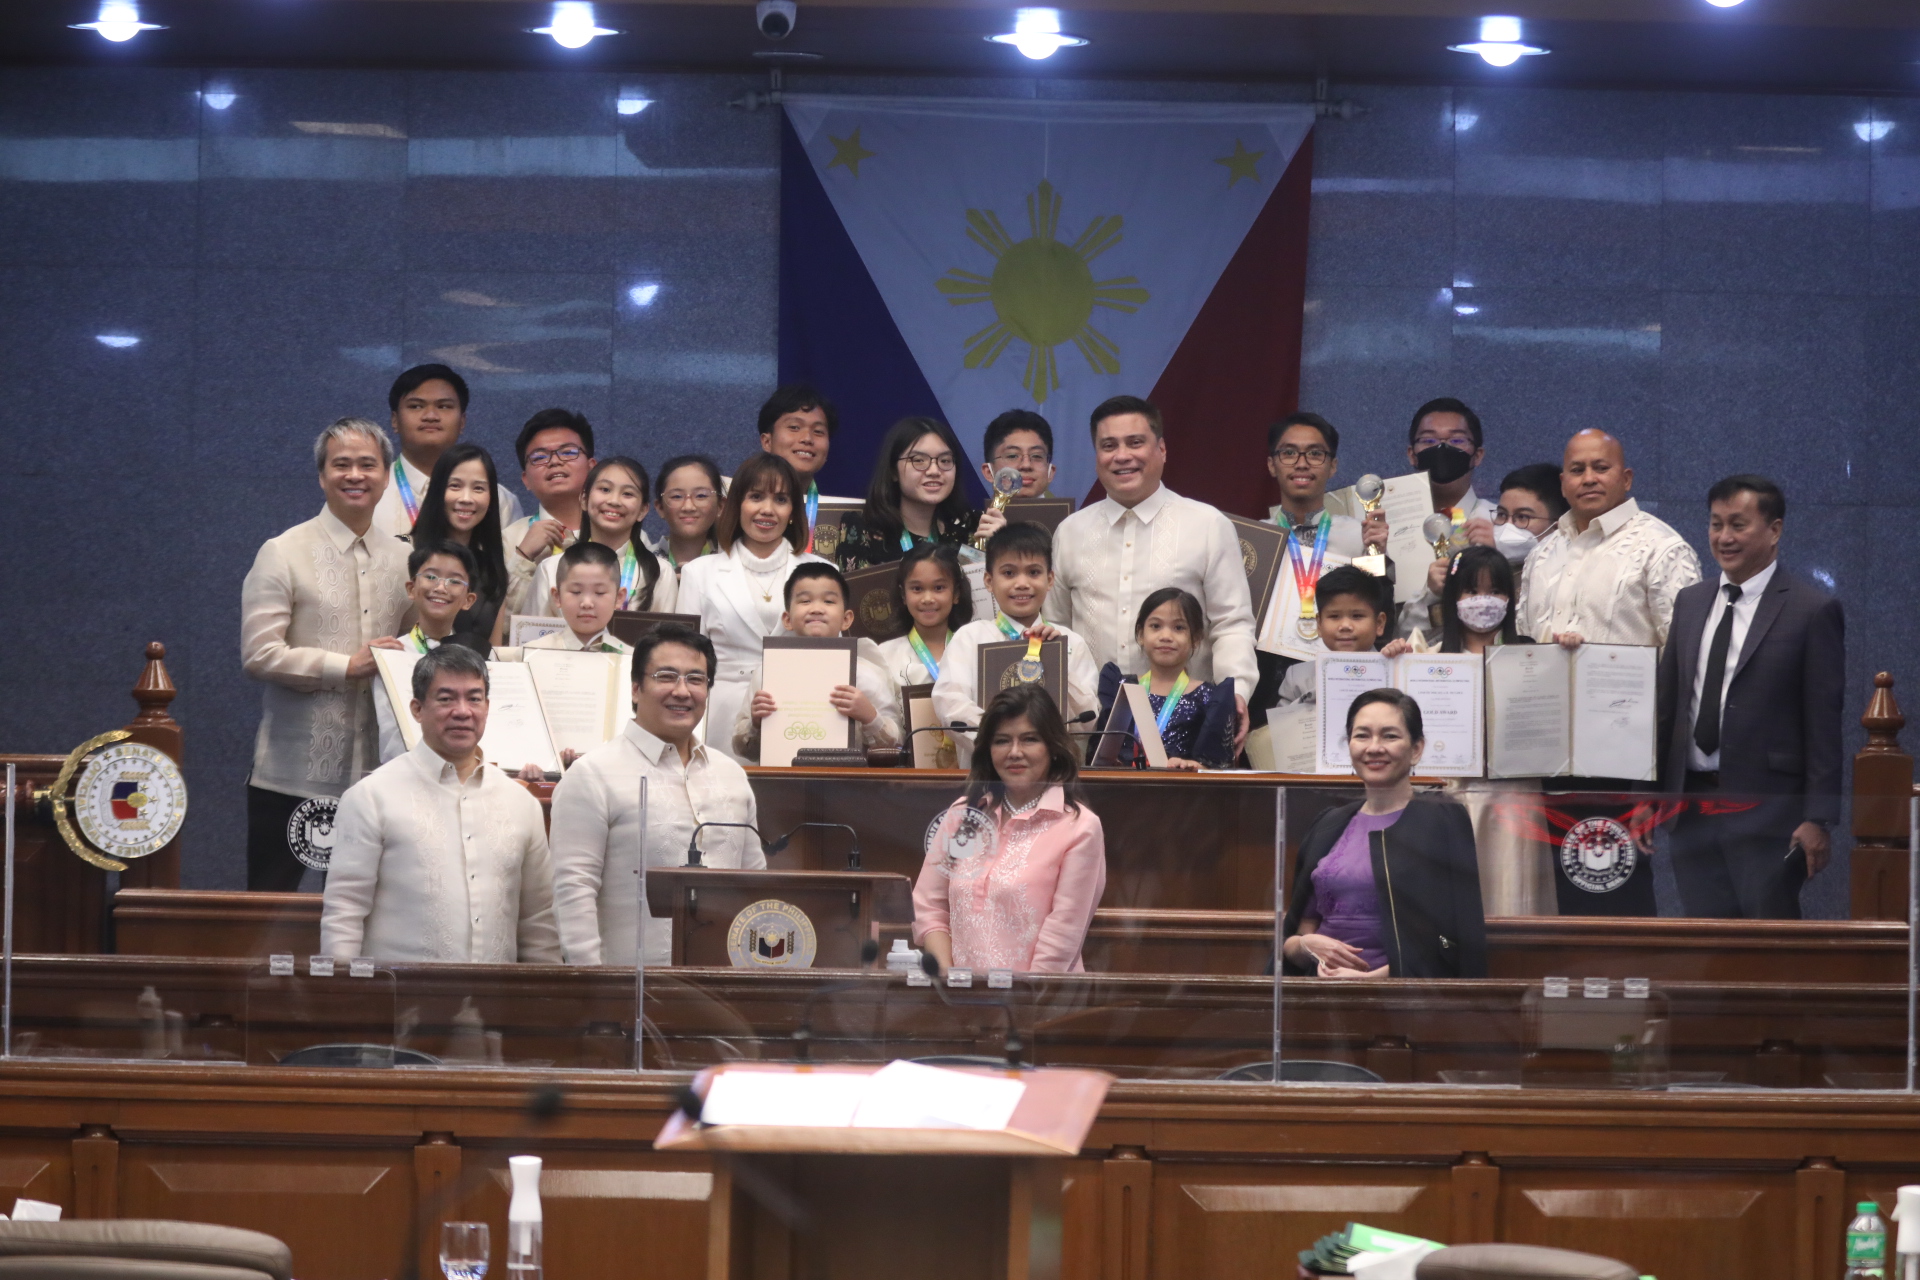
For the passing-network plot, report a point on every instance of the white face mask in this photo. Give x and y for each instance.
(1481, 613)
(1513, 542)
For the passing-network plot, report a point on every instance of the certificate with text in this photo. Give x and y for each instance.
(1339, 678)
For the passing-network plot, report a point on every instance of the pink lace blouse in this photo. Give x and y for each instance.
(1026, 904)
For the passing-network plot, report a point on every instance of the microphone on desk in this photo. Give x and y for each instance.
(1013, 1048)
(853, 841)
(803, 1034)
(693, 841)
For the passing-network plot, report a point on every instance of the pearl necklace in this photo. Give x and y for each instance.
(1018, 810)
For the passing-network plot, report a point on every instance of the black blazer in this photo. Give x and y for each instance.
(1428, 876)
(1780, 724)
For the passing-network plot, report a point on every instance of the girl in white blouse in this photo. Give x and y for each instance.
(932, 596)
(738, 593)
(610, 514)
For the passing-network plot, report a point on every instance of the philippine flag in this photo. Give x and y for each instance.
(962, 258)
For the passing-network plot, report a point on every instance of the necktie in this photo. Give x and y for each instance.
(1706, 724)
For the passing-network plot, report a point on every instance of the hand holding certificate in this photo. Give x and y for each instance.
(1586, 712)
(801, 673)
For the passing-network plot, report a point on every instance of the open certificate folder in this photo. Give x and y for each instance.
(516, 730)
(1447, 687)
(1586, 712)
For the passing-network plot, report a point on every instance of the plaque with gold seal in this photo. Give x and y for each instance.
(1262, 546)
(870, 596)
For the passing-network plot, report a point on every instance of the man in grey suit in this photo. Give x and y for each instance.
(1750, 695)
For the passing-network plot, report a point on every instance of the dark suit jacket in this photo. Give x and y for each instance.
(1780, 725)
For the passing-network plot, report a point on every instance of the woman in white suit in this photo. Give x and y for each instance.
(738, 592)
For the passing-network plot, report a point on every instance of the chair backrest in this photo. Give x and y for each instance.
(1519, 1262)
(1310, 1070)
(139, 1249)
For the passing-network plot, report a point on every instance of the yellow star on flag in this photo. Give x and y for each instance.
(1241, 164)
(848, 151)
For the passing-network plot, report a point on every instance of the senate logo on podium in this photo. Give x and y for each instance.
(1598, 855)
(771, 934)
(127, 800)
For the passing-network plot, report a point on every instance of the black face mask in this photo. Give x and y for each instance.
(1443, 463)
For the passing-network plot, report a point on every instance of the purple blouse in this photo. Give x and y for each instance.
(1344, 896)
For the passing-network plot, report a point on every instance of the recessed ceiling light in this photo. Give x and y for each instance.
(631, 102)
(1466, 309)
(642, 295)
(219, 99)
(572, 25)
(1872, 130)
(1036, 33)
(1723, 4)
(119, 21)
(1499, 44)
(118, 341)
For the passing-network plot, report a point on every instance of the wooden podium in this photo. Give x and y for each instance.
(843, 909)
(934, 1204)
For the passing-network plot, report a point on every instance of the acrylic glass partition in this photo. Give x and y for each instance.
(1582, 989)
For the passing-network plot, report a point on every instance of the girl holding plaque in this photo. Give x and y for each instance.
(617, 495)
(1017, 865)
(459, 508)
(1196, 721)
(914, 499)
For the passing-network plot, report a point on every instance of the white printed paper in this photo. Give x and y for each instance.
(1339, 678)
(516, 733)
(396, 677)
(907, 1095)
(1293, 735)
(814, 1099)
(1407, 503)
(1448, 687)
(1529, 733)
(800, 680)
(580, 694)
(1613, 711)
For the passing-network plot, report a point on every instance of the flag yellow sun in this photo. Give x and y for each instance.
(1043, 291)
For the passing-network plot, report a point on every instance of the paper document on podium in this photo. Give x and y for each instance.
(901, 1095)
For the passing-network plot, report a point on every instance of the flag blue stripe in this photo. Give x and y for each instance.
(836, 332)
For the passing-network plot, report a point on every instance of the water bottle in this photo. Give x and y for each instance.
(1866, 1243)
(902, 959)
(523, 1219)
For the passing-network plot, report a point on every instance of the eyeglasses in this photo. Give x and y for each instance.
(435, 580)
(565, 453)
(1014, 457)
(681, 497)
(1316, 454)
(666, 678)
(924, 462)
(1533, 524)
(1464, 444)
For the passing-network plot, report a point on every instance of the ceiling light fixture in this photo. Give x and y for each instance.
(1723, 4)
(118, 341)
(572, 25)
(1499, 44)
(1872, 130)
(119, 21)
(642, 295)
(631, 103)
(1036, 33)
(219, 99)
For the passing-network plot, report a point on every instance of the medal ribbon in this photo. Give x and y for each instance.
(924, 654)
(667, 550)
(1008, 628)
(1171, 701)
(417, 640)
(813, 510)
(629, 570)
(906, 541)
(407, 500)
(1033, 649)
(1306, 575)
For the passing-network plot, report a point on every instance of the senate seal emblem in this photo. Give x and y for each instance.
(1598, 855)
(771, 934)
(876, 609)
(964, 839)
(130, 800)
(310, 831)
(1248, 560)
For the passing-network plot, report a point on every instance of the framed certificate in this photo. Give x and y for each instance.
(631, 626)
(934, 748)
(826, 525)
(1262, 547)
(800, 671)
(999, 669)
(1045, 512)
(870, 596)
(526, 628)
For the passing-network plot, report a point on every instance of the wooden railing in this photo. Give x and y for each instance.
(1882, 794)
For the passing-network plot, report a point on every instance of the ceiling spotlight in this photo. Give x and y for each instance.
(642, 295)
(219, 99)
(1036, 33)
(572, 25)
(119, 21)
(1499, 44)
(1872, 130)
(1723, 4)
(630, 103)
(118, 341)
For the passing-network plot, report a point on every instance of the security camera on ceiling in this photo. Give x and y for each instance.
(775, 18)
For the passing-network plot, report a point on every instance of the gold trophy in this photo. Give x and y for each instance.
(1006, 483)
(1438, 530)
(1371, 489)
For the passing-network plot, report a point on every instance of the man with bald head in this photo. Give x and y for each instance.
(1606, 572)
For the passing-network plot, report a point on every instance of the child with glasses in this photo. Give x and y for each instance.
(440, 578)
(914, 499)
(1023, 440)
(689, 504)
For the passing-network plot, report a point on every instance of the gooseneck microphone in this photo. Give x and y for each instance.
(803, 1034)
(853, 840)
(693, 841)
(1013, 1048)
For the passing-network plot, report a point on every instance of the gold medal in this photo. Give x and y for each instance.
(1030, 669)
(1309, 623)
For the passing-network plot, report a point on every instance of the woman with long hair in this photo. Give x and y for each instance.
(689, 503)
(614, 504)
(1018, 864)
(739, 594)
(913, 499)
(459, 508)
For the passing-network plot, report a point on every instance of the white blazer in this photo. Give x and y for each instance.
(719, 589)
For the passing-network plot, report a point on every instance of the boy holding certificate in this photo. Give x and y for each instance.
(1352, 619)
(817, 607)
(586, 592)
(1020, 574)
